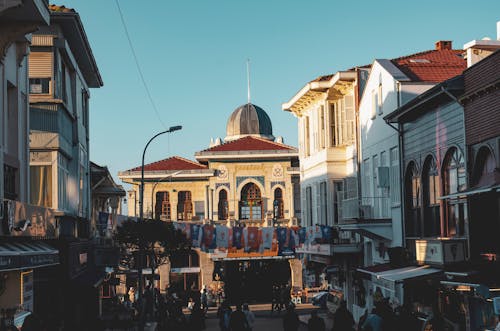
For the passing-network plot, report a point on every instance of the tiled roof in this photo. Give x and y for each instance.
(432, 66)
(61, 9)
(323, 78)
(172, 163)
(249, 143)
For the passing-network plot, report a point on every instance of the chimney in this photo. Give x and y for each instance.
(443, 44)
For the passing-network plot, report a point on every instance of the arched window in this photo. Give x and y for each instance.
(162, 206)
(278, 204)
(430, 181)
(184, 206)
(250, 203)
(455, 181)
(413, 224)
(223, 205)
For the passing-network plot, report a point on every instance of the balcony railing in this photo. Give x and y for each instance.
(365, 208)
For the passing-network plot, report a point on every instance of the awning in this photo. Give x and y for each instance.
(26, 255)
(472, 191)
(401, 274)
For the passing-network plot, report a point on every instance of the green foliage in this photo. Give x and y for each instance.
(159, 240)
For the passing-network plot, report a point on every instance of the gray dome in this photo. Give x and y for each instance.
(249, 120)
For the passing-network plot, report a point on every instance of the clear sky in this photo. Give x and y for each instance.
(193, 55)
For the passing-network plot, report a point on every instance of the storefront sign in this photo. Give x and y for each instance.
(320, 259)
(21, 219)
(27, 261)
(188, 270)
(439, 251)
(319, 249)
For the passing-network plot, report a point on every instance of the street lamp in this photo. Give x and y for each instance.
(141, 205)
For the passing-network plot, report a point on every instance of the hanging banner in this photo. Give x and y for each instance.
(102, 223)
(267, 238)
(283, 241)
(209, 238)
(222, 236)
(252, 239)
(302, 232)
(195, 235)
(237, 237)
(326, 234)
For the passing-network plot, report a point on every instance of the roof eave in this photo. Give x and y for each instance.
(311, 86)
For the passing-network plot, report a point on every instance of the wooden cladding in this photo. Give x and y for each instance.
(42, 40)
(40, 64)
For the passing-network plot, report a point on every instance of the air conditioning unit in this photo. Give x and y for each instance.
(366, 211)
(383, 179)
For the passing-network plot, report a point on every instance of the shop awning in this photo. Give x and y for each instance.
(26, 255)
(472, 191)
(400, 274)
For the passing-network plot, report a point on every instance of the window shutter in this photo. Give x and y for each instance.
(40, 64)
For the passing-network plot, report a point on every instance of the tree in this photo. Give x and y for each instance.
(159, 241)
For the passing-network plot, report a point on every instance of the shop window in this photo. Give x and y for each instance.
(412, 192)
(251, 203)
(454, 182)
(430, 178)
(162, 205)
(278, 204)
(222, 207)
(184, 206)
(41, 185)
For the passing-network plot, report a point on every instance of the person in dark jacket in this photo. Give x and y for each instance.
(342, 319)
(238, 320)
(291, 320)
(315, 323)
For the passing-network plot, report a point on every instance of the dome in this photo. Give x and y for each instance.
(249, 120)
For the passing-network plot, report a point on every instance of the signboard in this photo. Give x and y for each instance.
(439, 251)
(21, 219)
(319, 249)
(13, 262)
(27, 290)
(187, 270)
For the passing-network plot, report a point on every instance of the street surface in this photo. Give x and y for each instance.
(264, 320)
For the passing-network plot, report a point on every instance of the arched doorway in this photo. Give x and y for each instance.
(251, 203)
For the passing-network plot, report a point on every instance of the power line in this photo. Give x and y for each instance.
(137, 64)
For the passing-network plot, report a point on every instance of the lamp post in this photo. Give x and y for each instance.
(141, 208)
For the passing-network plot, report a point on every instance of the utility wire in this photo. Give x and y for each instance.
(137, 64)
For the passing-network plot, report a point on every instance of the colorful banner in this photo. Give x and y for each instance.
(222, 236)
(209, 238)
(237, 237)
(326, 234)
(195, 235)
(252, 239)
(267, 238)
(302, 235)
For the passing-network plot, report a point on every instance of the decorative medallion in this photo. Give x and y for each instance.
(222, 172)
(277, 171)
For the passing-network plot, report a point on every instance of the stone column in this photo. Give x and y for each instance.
(296, 272)
(206, 269)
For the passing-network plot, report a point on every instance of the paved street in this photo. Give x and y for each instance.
(264, 319)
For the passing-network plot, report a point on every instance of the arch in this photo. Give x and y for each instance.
(430, 194)
(413, 226)
(484, 167)
(247, 181)
(278, 205)
(222, 205)
(251, 202)
(162, 206)
(454, 180)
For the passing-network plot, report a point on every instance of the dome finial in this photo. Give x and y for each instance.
(248, 79)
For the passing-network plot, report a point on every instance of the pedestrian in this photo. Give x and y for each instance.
(238, 321)
(291, 320)
(224, 315)
(204, 300)
(196, 319)
(275, 303)
(373, 321)
(315, 323)
(437, 320)
(343, 319)
(250, 316)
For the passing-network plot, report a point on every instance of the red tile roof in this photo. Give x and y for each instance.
(249, 143)
(172, 163)
(432, 66)
(61, 9)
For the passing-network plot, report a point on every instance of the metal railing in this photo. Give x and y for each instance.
(365, 208)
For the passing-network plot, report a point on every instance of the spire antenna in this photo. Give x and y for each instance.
(248, 79)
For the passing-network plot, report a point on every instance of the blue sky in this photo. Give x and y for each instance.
(193, 55)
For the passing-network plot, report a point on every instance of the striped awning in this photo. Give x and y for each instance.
(27, 255)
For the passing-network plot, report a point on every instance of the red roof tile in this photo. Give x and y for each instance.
(249, 143)
(432, 66)
(172, 163)
(61, 9)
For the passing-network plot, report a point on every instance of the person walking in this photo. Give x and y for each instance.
(315, 323)
(291, 320)
(373, 321)
(238, 321)
(343, 319)
(204, 300)
(250, 316)
(196, 319)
